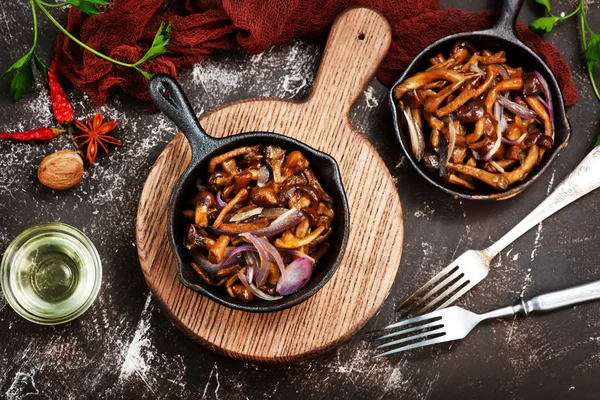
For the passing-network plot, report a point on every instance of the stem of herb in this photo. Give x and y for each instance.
(73, 38)
(35, 26)
(54, 4)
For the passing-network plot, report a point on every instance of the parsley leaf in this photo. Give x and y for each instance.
(592, 52)
(89, 7)
(544, 24)
(39, 64)
(23, 78)
(159, 44)
(545, 3)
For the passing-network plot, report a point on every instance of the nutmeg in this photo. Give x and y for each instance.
(61, 170)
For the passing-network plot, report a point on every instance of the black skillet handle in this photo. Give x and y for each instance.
(171, 100)
(506, 25)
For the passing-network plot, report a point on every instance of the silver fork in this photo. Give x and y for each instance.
(455, 323)
(473, 266)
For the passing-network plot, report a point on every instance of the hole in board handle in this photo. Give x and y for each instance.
(361, 36)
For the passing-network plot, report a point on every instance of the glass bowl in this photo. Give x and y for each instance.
(51, 273)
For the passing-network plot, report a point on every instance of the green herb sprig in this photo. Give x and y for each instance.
(23, 76)
(591, 48)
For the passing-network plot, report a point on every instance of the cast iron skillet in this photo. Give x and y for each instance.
(171, 100)
(502, 36)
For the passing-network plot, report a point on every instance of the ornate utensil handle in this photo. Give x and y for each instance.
(584, 179)
(563, 298)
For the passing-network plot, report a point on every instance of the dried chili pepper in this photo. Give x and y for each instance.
(62, 108)
(34, 134)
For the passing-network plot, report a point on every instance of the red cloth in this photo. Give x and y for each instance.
(200, 27)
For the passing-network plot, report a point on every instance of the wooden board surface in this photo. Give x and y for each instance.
(357, 44)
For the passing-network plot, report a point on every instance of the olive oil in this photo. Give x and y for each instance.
(51, 276)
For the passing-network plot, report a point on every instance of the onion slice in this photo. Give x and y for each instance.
(272, 251)
(547, 94)
(273, 212)
(515, 143)
(277, 226)
(516, 108)
(246, 215)
(294, 253)
(550, 113)
(452, 132)
(264, 266)
(499, 115)
(234, 257)
(417, 140)
(256, 291)
(263, 176)
(295, 277)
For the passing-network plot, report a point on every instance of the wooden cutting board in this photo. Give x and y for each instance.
(358, 42)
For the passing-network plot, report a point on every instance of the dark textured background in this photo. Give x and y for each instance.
(123, 347)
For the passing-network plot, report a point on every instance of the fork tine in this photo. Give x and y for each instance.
(437, 322)
(449, 279)
(429, 342)
(457, 295)
(429, 283)
(414, 320)
(461, 282)
(411, 338)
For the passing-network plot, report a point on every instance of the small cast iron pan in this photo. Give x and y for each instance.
(171, 100)
(502, 36)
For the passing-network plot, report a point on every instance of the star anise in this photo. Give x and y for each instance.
(95, 134)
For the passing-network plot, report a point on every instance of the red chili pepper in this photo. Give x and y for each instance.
(63, 111)
(34, 134)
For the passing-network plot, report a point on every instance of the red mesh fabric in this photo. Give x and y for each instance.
(200, 27)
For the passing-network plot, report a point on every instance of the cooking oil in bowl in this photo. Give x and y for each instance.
(51, 273)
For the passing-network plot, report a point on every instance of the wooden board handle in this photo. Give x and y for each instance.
(358, 42)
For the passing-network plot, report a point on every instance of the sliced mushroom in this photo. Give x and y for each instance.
(216, 252)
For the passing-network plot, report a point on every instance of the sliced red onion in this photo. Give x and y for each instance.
(256, 291)
(516, 108)
(251, 264)
(503, 72)
(417, 139)
(264, 266)
(550, 112)
(264, 174)
(246, 215)
(515, 143)
(296, 275)
(498, 167)
(294, 253)
(250, 272)
(273, 212)
(220, 203)
(452, 132)
(275, 256)
(499, 115)
(476, 69)
(234, 257)
(277, 226)
(547, 94)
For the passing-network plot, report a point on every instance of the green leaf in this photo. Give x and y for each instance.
(43, 68)
(159, 44)
(89, 7)
(545, 3)
(23, 78)
(146, 74)
(598, 141)
(19, 63)
(592, 52)
(544, 24)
